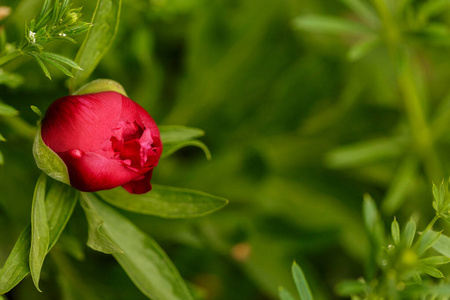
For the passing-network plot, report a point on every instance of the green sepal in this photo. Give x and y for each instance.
(101, 85)
(48, 161)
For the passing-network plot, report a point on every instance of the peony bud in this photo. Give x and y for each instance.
(104, 139)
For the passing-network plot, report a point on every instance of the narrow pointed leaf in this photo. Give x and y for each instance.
(176, 134)
(16, 266)
(435, 260)
(171, 148)
(165, 201)
(284, 294)
(395, 231)
(431, 271)
(443, 245)
(410, 233)
(142, 259)
(41, 64)
(6, 110)
(57, 65)
(98, 40)
(61, 59)
(40, 237)
(325, 24)
(301, 283)
(428, 239)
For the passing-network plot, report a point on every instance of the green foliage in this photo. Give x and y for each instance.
(165, 201)
(98, 40)
(402, 264)
(142, 259)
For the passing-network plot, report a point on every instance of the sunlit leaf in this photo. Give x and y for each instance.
(165, 201)
(395, 232)
(40, 237)
(427, 240)
(443, 245)
(301, 283)
(325, 24)
(410, 233)
(431, 271)
(142, 259)
(349, 287)
(435, 260)
(284, 294)
(6, 110)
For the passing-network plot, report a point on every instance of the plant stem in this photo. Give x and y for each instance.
(10, 56)
(412, 102)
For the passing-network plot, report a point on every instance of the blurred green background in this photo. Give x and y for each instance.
(297, 131)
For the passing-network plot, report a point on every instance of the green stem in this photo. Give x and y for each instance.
(10, 56)
(412, 102)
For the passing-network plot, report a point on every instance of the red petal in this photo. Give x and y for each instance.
(92, 172)
(140, 186)
(81, 122)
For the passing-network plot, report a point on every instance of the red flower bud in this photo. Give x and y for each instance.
(105, 140)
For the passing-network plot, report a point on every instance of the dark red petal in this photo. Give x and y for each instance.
(81, 122)
(140, 186)
(92, 172)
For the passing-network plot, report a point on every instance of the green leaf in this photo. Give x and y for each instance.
(410, 233)
(171, 148)
(16, 266)
(2, 138)
(432, 7)
(395, 231)
(443, 245)
(428, 239)
(2, 159)
(349, 287)
(60, 203)
(98, 40)
(365, 153)
(62, 59)
(284, 294)
(362, 48)
(56, 65)
(431, 271)
(40, 237)
(142, 259)
(435, 260)
(97, 238)
(176, 134)
(325, 24)
(48, 161)
(364, 11)
(100, 85)
(41, 64)
(301, 283)
(6, 110)
(37, 111)
(165, 201)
